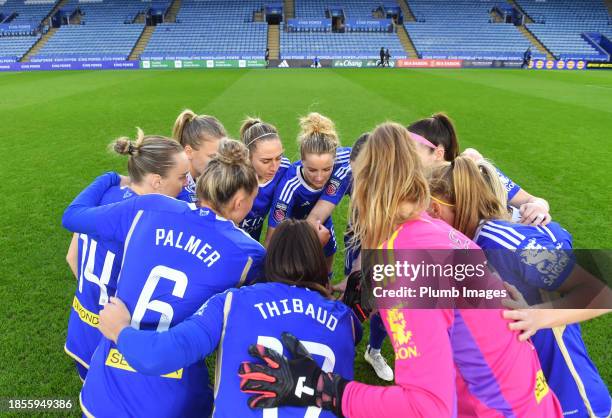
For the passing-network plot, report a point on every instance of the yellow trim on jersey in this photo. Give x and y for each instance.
(227, 306)
(558, 333)
(85, 411)
(245, 272)
(115, 359)
(85, 315)
(541, 386)
(76, 358)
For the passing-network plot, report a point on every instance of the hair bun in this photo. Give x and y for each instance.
(232, 152)
(317, 124)
(247, 124)
(123, 146)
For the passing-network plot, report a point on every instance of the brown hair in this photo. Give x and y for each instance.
(227, 172)
(191, 129)
(461, 184)
(317, 135)
(387, 174)
(439, 130)
(254, 130)
(147, 154)
(295, 256)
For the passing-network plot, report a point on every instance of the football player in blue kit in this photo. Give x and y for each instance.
(295, 298)
(175, 258)
(322, 173)
(200, 136)
(535, 260)
(442, 145)
(266, 154)
(155, 165)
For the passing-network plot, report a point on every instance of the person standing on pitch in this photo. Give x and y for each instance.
(387, 56)
(382, 57)
(526, 58)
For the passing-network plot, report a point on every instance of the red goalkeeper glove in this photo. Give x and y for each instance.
(296, 382)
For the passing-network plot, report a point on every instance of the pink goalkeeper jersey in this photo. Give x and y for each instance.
(452, 362)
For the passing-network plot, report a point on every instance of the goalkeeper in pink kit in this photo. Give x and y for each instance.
(448, 362)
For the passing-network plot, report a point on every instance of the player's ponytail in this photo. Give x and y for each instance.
(491, 178)
(439, 130)
(147, 154)
(389, 186)
(295, 257)
(226, 173)
(317, 135)
(462, 185)
(191, 129)
(254, 130)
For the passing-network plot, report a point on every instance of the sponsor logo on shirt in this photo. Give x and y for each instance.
(541, 386)
(116, 360)
(401, 337)
(85, 315)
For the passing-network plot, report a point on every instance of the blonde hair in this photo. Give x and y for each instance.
(254, 130)
(387, 174)
(461, 184)
(147, 154)
(191, 129)
(491, 178)
(226, 173)
(317, 135)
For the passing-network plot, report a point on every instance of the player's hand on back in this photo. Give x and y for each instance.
(323, 233)
(114, 317)
(534, 213)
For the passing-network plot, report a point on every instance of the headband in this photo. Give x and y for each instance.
(261, 136)
(421, 140)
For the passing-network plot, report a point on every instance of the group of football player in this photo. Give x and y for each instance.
(170, 270)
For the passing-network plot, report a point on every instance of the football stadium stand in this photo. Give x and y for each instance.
(19, 26)
(209, 29)
(563, 26)
(324, 43)
(88, 30)
(463, 29)
(105, 31)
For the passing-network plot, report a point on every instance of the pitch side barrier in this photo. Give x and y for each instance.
(301, 63)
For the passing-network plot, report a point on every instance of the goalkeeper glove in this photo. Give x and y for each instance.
(296, 382)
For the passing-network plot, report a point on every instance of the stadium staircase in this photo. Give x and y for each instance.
(142, 43)
(289, 9)
(514, 4)
(536, 42)
(140, 18)
(38, 45)
(608, 4)
(274, 41)
(172, 11)
(408, 15)
(496, 17)
(406, 41)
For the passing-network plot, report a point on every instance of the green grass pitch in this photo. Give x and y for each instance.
(549, 131)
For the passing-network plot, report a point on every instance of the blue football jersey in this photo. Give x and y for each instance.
(99, 262)
(519, 254)
(294, 198)
(511, 187)
(327, 328)
(253, 223)
(188, 193)
(175, 258)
